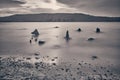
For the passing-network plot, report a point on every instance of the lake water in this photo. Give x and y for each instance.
(15, 36)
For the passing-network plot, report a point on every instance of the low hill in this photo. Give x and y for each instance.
(58, 17)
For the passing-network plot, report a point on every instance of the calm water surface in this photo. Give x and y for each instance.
(15, 36)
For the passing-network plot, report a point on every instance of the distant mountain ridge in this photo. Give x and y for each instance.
(58, 17)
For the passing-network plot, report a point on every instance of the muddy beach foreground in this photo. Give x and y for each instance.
(21, 68)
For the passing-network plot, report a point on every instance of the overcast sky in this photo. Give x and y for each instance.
(93, 7)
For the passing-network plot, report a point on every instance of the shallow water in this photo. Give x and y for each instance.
(15, 36)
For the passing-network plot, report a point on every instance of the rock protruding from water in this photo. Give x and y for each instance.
(98, 30)
(67, 37)
(79, 30)
(35, 32)
(41, 42)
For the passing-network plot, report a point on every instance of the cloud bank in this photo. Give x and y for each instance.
(93, 7)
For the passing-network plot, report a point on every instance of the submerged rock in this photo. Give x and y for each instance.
(94, 57)
(56, 27)
(91, 39)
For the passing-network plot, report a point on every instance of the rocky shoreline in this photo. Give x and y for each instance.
(15, 68)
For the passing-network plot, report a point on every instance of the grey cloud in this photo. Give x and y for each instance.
(93, 7)
(91, 3)
(48, 1)
(10, 3)
(61, 10)
(41, 10)
(96, 7)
